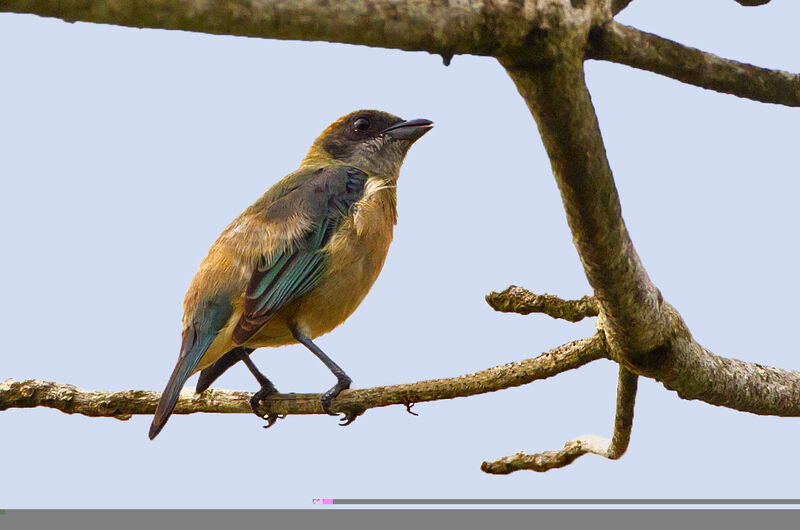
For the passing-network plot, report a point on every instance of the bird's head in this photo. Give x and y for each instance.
(372, 140)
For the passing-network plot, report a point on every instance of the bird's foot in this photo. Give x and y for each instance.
(342, 384)
(255, 402)
(350, 416)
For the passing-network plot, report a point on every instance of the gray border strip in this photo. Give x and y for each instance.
(553, 502)
(407, 518)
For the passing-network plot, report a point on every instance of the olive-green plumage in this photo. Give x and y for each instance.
(300, 260)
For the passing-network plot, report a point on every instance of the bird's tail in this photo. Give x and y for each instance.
(191, 352)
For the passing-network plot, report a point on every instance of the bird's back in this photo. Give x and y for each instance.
(262, 228)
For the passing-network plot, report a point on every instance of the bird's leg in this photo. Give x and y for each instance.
(267, 388)
(343, 380)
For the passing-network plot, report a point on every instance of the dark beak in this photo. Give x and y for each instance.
(408, 130)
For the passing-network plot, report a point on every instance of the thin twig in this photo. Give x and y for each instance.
(519, 300)
(611, 449)
(630, 46)
(121, 405)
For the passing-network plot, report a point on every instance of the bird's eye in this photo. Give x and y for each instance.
(361, 124)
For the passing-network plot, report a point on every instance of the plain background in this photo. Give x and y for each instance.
(124, 153)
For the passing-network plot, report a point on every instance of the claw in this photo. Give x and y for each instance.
(272, 418)
(408, 405)
(254, 402)
(342, 384)
(349, 417)
(262, 395)
(326, 403)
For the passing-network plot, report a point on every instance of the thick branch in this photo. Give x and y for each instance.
(694, 372)
(618, 5)
(469, 26)
(499, 28)
(631, 305)
(643, 332)
(519, 300)
(611, 449)
(630, 46)
(121, 405)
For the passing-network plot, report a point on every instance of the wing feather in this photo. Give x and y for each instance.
(325, 199)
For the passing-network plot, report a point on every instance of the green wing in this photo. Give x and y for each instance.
(284, 276)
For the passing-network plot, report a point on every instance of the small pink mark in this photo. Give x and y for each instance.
(326, 501)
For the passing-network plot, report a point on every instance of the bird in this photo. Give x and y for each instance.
(297, 262)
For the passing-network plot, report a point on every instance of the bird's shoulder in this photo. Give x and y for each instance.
(294, 205)
(309, 190)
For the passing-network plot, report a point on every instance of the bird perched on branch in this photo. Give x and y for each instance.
(298, 262)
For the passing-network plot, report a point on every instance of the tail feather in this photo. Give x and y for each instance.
(197, 338)
(169, 398)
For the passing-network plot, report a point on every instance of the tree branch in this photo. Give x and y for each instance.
(643, 332)
(626, 45)
(519, 300)
(694, 372)
(121, 405)
(469, 26)
(630, 304)
(498, 28)
(611, 449)
(618, 5)
(627, 385)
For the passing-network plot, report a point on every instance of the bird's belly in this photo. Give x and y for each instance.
(275, 332)
(341, 289)
(356, 260)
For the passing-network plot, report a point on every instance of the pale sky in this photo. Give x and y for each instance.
(125, 152)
